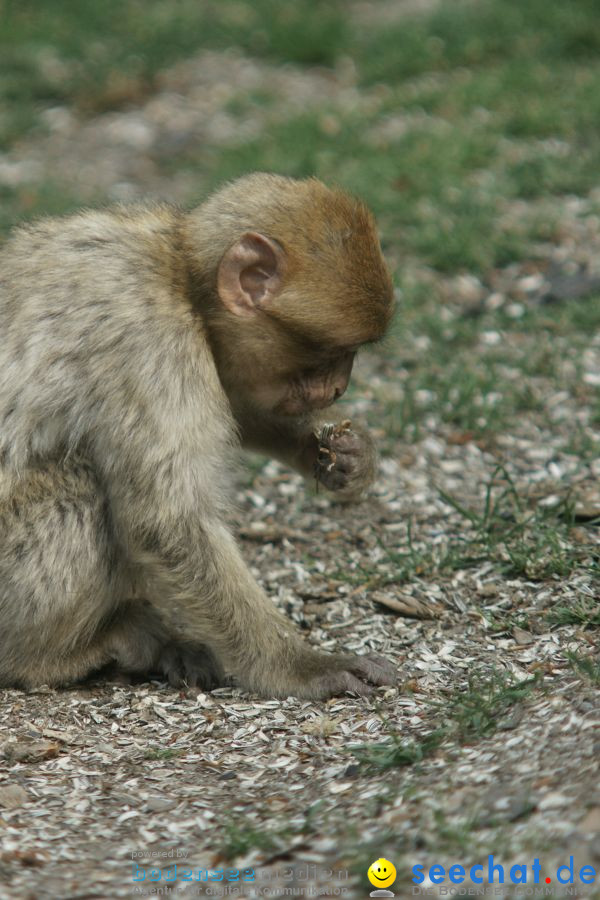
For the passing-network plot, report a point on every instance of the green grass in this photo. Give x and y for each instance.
(466, 714)
(504, 95)
(241, 837)
(587, 667)
(481, 35)
(584, 612)
(103, 55)
(477, 389)
(244, 835)
(519, 539)
(532, 543)
(163, 753)
(476, 712)
(523, 542)
(508, 111)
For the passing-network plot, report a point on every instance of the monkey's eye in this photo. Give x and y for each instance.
(339, 354)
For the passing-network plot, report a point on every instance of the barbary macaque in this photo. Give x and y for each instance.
(139, 347)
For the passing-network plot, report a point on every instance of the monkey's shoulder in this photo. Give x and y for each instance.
(118, 256)
(117, 230)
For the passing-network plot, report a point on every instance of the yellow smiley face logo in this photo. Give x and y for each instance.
(381, 873)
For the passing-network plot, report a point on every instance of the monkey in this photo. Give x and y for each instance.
(141, 348)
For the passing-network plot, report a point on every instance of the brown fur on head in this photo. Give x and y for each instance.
(300, 282)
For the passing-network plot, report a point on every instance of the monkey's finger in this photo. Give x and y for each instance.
(354, 685)
(341, 682)
(349, 442)
(346, 464)
(325, 433)
(334, 480)
(324, 455)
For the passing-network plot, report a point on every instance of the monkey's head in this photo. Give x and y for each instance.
(299, 285)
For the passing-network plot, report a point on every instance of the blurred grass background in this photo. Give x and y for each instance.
(473, 124)
(505, 98)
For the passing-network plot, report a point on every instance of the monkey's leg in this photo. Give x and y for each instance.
(138, 643)
(59, 574)
(252, 641)
(62, 581)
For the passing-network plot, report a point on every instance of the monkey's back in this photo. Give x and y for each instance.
(96, 324)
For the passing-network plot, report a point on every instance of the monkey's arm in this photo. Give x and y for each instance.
(343, 461)
(162, 450)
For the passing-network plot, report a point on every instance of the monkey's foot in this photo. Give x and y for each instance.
(346, 672)
(189, 665)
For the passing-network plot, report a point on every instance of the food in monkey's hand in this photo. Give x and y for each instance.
(326, 455)
(345, 459)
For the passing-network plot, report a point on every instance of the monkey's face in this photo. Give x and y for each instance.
(268, 370)
(286, 373)
(290, 330)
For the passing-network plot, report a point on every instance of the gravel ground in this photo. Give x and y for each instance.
(94, 775)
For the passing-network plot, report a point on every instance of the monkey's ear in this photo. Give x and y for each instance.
(250, 273)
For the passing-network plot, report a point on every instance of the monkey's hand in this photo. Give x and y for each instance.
(328, 675)
(346, 459)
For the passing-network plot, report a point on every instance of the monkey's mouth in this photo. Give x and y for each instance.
(298, 407)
